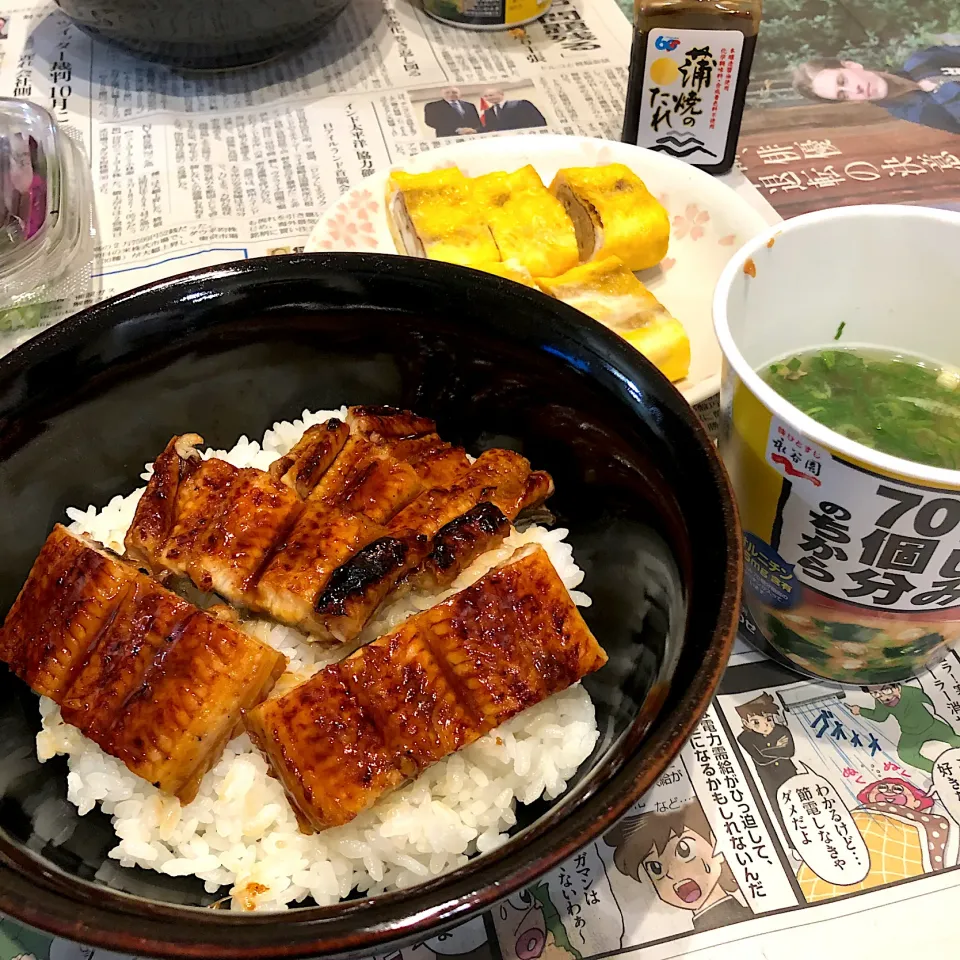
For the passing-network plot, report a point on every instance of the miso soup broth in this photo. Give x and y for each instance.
(892, 402)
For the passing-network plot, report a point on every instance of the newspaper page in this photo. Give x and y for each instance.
(798, 811)
(855, 108)
(190, 170)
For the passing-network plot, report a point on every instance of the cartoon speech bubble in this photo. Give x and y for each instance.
(580, 890)
(946, 780)
(821, 829)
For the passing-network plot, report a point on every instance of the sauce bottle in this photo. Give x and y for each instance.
(689, 69)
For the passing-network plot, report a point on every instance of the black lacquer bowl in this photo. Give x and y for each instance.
(206, 34)
(228, 351)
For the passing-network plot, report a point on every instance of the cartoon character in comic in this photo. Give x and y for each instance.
(466, 942)
(22, 943)
(17, 941)
(914, 712)
(529, 927)
(904, 834)
(767, 740)
(677, 851)
(897, 793)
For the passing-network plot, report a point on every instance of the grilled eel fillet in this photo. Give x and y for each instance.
(435, 684)
(154, 681)
(269, 541)
(348, 465)
(375, 439)
(324, 563)
(501, 478)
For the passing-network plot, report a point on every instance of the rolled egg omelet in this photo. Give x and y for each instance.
(529, 224)
(510, 270)
(435, 215)
(609, 292)
(613, 214)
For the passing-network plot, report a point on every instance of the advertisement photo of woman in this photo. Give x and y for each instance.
(925, 91)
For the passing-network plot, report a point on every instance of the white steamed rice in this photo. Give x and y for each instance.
(240, 832)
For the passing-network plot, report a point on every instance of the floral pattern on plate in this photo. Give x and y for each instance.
(349, 228)
(692, 222)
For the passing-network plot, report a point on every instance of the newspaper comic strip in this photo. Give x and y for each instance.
(858, 783)
(792, 796)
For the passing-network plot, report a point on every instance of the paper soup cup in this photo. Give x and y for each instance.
(852, 556)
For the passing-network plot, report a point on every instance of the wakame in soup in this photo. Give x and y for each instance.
(894, 403)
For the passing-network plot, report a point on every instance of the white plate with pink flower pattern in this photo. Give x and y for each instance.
(710, 221)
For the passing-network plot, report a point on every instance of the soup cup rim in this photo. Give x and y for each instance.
(781, 408)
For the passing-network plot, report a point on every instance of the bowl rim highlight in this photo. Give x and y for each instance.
(759, 247)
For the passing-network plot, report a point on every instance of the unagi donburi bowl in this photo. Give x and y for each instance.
(230, 350)
(814, 503)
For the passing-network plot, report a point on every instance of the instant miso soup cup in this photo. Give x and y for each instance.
(852, 556)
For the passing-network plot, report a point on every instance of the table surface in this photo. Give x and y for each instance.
(801, 155)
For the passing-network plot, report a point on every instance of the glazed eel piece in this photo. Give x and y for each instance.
(254, 538)
(431, 540)
(349, 465)
(379, 500)
(156, 682)
(436, 683)
(365, 445)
